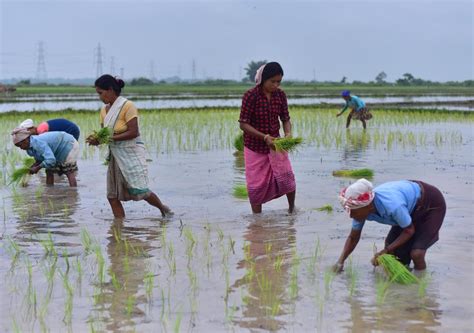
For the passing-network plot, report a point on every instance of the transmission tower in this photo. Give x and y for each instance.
(152, 75)
(112, 65)
(193, 74)
(122, 71)
(41, 74)
(98, 60)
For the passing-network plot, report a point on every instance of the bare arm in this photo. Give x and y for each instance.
(287, 128)
(351, 243)
(131, 132)
(249, 129)
(404, 236)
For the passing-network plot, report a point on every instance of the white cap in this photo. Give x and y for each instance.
(28, 123)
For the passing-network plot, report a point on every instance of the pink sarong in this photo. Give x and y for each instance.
(269, 176)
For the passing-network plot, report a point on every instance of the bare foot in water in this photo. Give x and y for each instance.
(166, 211)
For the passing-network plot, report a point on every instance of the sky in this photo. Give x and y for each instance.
(322, 40)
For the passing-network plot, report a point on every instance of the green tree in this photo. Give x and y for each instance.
(141, 81)
(380, 78)
(252, 69)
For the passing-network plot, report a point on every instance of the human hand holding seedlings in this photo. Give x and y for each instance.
(374, 260)
(35, 168)
(92, 140)
(269, 141)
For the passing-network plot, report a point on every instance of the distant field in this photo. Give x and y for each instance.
(237, 89)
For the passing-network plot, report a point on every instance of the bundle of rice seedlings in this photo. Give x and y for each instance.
(240, 191)
(325, 208)
(356, 173)
(288, 144)
(396, 271)
(239, 142)
(103, 136)
(22, 175)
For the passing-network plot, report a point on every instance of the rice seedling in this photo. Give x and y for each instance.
(115, 282)
(177, 322)
(423, 284)
(381, 286)
(129, 304)
(329, 275)
(149, 284)
(21, 175)
(278, 262)
(86, 240)
(239, 142)
(325, 208)
(396, 271)
(232, 244)
(353, 276)
(103, 136)
(356, 173)
(287, 144)
(240, 191)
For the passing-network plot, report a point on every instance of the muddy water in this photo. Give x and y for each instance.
(214, 267)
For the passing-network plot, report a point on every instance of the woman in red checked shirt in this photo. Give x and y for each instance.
(268, 173)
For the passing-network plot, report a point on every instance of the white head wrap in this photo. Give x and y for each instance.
(258, 75)
(357, 195)
(28, 123)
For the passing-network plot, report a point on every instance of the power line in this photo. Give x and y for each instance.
(112, 65)
(193, 74)
(152, 71)
(98, 60)
(41, 64)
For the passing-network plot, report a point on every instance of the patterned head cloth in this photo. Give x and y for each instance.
(258, 75)
(19, 134)
(345, 93)
(28, 123)
(357, 195)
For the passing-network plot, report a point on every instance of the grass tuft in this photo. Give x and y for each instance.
(239, 142)
(240, 191)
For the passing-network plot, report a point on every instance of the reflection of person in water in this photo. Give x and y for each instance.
(128, 266)
(356, 144)
(38, 210)
(414, 209)
(269, 242)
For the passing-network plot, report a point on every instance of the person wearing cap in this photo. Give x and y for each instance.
(358, 109)
(268, 173)
(53, 125)
(57, 152)
(414, 210)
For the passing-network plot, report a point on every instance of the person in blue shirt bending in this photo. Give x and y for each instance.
(414, 210)
(53, 125)
(358, 109)
(57, 152)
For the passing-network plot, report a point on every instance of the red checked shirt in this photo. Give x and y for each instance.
(263, 115)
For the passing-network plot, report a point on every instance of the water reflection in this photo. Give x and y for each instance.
(355, 146)
(420, 313)
(267, 262)
(122, 300)
(42, 210)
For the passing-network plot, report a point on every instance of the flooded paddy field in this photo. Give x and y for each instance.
(67, 265)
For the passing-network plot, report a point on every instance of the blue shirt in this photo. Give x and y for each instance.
(64, 125)
(354, 103)
(394, 202)
(50, 148)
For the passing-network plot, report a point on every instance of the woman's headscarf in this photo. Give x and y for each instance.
(357, 195)
(345, 93)
(258, 75)
(19, 134)
(267, 71)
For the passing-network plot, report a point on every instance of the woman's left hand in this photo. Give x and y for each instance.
(34, 169)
